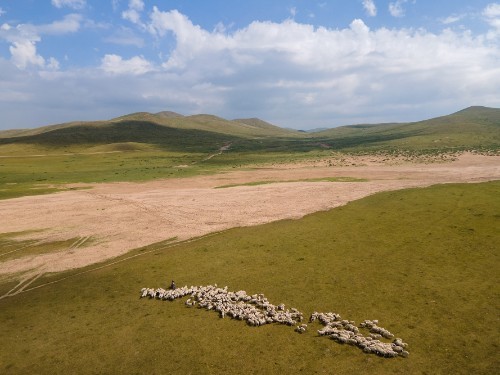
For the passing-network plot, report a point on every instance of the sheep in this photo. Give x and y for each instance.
(345, 332)
(256, 310)
(301, 329)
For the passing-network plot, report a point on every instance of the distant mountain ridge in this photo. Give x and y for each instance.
(204, 122)
(472, 127)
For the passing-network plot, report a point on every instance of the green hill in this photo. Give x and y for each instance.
(87, 135)
(144, 146)
(474, 127)
(209, 123)
(256, 123)
(471, 128)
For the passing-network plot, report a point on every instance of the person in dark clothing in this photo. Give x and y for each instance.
(172, 285)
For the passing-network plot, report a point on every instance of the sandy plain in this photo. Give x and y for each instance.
(110, 219)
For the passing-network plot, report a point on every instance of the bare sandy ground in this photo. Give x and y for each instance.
(118, 217)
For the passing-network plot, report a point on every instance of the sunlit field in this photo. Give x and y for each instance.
(421, 261)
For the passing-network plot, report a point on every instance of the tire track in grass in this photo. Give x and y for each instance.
(27, 281)
(22, 285)
(78, 243)
(22, 288)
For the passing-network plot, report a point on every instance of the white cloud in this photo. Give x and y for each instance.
(370, 7)
(191, 39)
(288, 73)
(452, 19)
(74, 4)
(24, 54)
(53, 64)
(69, 24)
(116, 65)
(492, 16)
(136, 4)
(396, 8)
(133, 13)
(492, 10)
(291, 65)
(24, 37)
(2, 12)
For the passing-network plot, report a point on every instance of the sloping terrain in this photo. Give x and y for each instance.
(473, 127)
(145, 146)
(415, 259)
(125, 130)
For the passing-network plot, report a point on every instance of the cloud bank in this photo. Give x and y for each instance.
(290, 73)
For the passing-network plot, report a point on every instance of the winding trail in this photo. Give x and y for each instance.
(221, 150)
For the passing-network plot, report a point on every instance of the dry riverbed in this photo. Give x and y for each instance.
(119, 217)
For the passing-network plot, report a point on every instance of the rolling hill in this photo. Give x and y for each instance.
(471, 128)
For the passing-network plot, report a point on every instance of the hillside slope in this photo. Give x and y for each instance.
(473, 127)
(209, 123)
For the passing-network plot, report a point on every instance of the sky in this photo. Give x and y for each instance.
(300, 64)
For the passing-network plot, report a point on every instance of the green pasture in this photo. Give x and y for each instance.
(422, 261)
(30, 175)
(42, 170)
(144, 146)
(11, 247)
(320, 179)
(474, 128)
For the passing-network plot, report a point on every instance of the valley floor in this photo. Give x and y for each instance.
(110, 219)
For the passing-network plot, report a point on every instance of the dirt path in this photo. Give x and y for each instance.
(119, 217)
(219, 152)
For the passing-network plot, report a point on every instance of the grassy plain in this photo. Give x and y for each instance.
(13, 248)
(144, 146)
(422, 261)
(46, 170)
(322, 179)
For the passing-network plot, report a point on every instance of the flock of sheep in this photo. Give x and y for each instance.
(256, 310)
(346, 332)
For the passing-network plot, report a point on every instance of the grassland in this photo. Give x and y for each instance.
(30, 175)
(50, 172)
(322, 179)
(422, 261)
(145, 146)
(12, 248)
(472, 128)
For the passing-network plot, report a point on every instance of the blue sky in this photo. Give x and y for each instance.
(295, 63)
